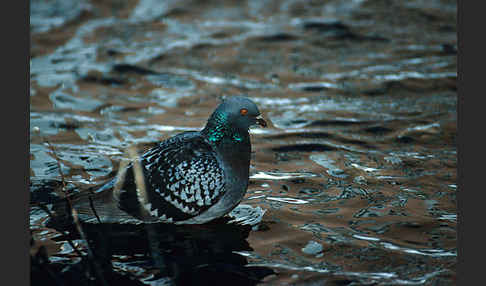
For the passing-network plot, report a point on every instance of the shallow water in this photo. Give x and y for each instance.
(356, 170)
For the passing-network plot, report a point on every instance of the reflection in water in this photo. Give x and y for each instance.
(161, 254)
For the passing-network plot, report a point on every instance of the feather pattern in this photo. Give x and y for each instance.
(183, 178)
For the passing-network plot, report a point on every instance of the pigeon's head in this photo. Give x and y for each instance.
(239, 113)
(233, 117)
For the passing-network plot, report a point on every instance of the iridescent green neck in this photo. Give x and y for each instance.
(218, 129)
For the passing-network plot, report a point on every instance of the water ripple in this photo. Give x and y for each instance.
(425, 252)
(287, 200)
(281, 176)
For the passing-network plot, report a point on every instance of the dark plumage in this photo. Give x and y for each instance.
(191, 178)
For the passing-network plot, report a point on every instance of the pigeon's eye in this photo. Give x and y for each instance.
(243, 111)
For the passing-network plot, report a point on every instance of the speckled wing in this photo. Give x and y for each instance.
(183, 178)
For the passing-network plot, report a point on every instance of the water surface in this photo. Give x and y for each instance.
(356, 171)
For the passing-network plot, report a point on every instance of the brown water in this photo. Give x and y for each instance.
(356, 170)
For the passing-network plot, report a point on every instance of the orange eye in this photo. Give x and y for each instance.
(243, 111)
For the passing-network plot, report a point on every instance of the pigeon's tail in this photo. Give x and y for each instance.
(102, 208)
(99, 207)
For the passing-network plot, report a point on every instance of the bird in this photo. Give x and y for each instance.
(193, 177)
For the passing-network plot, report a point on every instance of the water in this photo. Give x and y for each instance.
(356, 172)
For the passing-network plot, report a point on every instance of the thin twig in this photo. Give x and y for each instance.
(51, 215)
(91, 205)
(96, 267)
(142, 194)
(74, 213)
(54, 153)
(143, 198)
(120, 179)
(139, 177)
(91, 259)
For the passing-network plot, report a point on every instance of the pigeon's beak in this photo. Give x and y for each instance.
(260, 121)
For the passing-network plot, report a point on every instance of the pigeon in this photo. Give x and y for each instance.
(191, 178)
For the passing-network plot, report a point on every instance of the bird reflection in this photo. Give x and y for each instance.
(179, 254)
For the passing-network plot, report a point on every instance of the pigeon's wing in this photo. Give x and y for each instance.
(183, 178)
